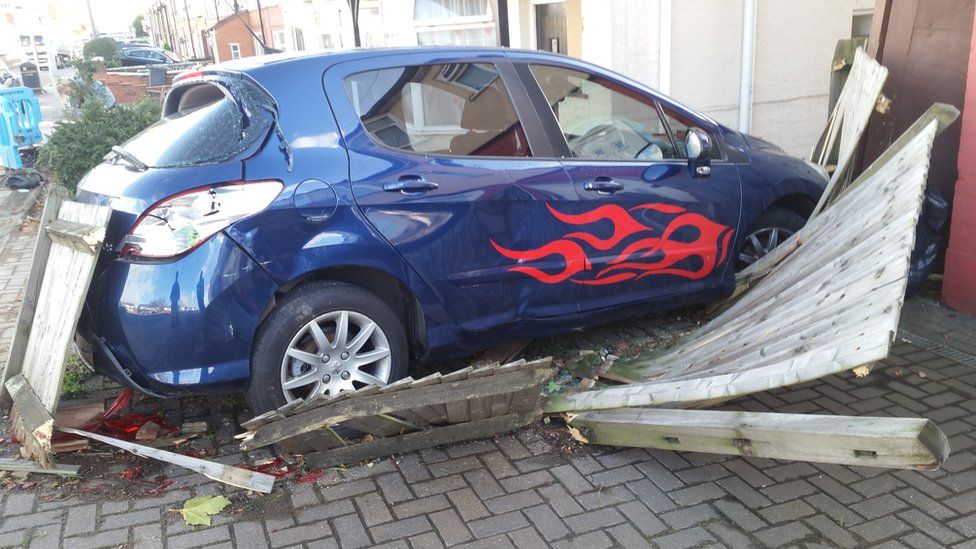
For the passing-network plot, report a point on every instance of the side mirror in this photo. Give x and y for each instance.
(698, 148)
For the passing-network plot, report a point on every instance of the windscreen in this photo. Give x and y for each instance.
(205, 123)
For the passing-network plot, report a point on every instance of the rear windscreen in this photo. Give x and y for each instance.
(205, 123)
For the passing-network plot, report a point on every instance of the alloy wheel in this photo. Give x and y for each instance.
(335, 352)
(760, 243)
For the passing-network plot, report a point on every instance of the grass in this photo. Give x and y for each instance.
(75, 376)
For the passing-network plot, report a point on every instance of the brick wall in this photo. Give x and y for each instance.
(127, 87)
(959, 286)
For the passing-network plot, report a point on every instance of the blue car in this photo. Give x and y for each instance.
(302, 225)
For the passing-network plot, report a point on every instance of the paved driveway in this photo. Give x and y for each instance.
(538, 488)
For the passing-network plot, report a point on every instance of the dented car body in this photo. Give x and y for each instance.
(477, 194)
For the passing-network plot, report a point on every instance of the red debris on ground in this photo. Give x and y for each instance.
(160, 482)
(131, 474)
(163, 485)
(277, 468)
(310, 477)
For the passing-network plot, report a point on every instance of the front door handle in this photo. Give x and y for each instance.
(603, 185)
(410, 184)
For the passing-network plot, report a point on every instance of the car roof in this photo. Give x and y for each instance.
(325, 59)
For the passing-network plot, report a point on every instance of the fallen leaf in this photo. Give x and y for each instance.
(923, 375)
(197, 511)
(862, 371)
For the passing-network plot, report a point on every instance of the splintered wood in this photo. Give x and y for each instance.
(849, 120)
(406, 415)
(829, 306)
(66, 252)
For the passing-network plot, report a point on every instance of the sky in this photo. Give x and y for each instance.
(110, 15)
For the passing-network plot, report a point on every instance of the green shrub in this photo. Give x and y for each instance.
(106, 48)
(79, 143)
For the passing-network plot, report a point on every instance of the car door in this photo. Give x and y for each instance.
(651, 226)
(443, 165)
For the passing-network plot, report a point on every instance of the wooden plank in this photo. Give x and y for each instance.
(235, 476)
(33, 425)
(62, 294)
(78, 236)
(25, 318)
(28, 466)
(902, 443)
(831, 305)
(394, 402)
(850, 118)
(423, 439)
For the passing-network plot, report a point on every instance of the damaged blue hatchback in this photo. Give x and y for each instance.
(302, 225)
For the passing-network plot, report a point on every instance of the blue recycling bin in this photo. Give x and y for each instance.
(20, 119)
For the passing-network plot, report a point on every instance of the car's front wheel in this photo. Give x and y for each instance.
(770, 230)
(325, 338)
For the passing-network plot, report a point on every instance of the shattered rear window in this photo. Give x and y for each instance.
(205, 123)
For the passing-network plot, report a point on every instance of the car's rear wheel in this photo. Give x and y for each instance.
(773, 227)
(325, 338)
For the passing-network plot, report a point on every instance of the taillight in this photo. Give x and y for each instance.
(179, 223)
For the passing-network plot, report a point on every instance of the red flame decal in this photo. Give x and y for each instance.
(650, 255)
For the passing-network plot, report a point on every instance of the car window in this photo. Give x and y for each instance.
(452, 109)
(205, 123)
(604, 120)
(679, 125)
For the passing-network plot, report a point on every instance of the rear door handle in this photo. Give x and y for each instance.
(603, 185)
(410, 184)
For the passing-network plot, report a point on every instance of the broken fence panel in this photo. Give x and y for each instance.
(830, 306)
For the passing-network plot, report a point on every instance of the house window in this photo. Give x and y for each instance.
(326, 41)
(279, 39)
(299, 40)
(235, 51)
(454, 22)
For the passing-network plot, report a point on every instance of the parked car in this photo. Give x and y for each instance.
(135, 56)
(295, 226)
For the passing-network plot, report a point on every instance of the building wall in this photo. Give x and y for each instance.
(230, 32)
(959, 286)
(795, 42)
(792, 77)
(706, 56)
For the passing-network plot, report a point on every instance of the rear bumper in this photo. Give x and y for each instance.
(179, 327)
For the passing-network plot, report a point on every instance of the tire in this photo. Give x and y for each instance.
(288, 327)
(776, 222)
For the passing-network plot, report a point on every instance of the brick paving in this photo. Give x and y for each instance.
(537, 488)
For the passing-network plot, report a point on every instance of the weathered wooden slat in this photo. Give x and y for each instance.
(416, 397)
(62, 293)
(235, 476)
(423, 439)
(850, 118)
(33, 423)
(25, 319)
(28, 466)
(831, 305)
(868, 441)
(77, 236)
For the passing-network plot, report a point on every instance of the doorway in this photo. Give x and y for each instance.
(550, 27)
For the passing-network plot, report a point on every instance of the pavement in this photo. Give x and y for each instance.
(537, 487)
